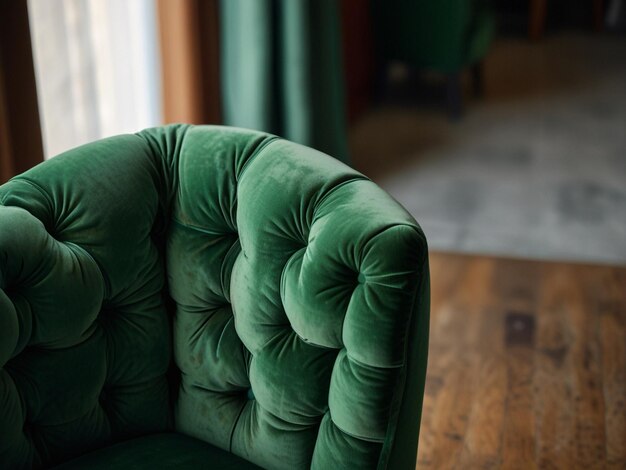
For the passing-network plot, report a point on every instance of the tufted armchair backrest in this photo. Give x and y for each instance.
(239, 288)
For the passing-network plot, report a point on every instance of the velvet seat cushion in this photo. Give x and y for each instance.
(164, 450)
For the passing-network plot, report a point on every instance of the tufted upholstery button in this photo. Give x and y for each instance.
(250, 394)
(103, 397)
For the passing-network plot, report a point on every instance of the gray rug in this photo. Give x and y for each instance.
(537, 169)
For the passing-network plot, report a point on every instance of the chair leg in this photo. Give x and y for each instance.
(478, 79)
(454, 96)
(598, 15)
(380, 81)
(537, 20)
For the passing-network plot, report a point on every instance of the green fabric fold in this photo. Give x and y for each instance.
(282, 72)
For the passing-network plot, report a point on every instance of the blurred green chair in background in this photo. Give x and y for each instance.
(446, 36)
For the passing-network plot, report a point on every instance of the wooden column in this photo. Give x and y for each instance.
(21, 144)
(189, 39)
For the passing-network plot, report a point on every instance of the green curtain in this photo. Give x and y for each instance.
(281, 70)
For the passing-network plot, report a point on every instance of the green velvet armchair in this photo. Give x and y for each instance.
(208, 297)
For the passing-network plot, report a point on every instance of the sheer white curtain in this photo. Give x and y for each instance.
(97, 69)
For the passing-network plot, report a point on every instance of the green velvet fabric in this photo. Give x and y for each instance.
(159, 451)
(282, 70)
(445, 35)
(232, 286)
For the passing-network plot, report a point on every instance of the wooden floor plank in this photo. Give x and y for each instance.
(587, 372)
(554, 401)
(608, 289)
(449, 397)
(446, 276)
(516, 290)
(527, 365)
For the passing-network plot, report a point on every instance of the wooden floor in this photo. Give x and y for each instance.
(527, 366)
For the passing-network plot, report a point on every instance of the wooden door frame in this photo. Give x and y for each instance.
(21, 143)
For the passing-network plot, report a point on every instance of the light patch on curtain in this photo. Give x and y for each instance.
(97, 69)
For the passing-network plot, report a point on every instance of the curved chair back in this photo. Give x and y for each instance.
(237, 287)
